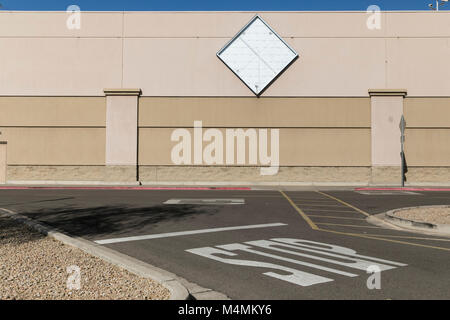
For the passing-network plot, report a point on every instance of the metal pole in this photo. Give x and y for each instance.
(403, 168)
(402, 153)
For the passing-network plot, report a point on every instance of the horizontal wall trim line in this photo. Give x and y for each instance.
(56, 127)
(101, 95)
(50, 96)
(428, 167)
(257, 98)
(55, 165)
(253, 127)
(162, 12)
(183, 166)
(251, 166)
(193, 37)
(209, 97)
(427, 128)
(184, 96)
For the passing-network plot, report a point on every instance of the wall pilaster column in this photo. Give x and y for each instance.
(386, 112)
(121, 134)
(3, 162)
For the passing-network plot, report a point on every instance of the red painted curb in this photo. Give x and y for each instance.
(402, 189)
(123, 188)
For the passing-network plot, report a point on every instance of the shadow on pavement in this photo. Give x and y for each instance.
(114, 220)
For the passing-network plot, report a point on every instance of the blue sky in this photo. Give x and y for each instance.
(210, 5)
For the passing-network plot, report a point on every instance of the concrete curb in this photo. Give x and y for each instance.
(403, 189)
(402, 222)
(178, 287)
(355, 184)
(251, 184)
(71, 183)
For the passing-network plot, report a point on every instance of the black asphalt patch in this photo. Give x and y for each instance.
(109, 214)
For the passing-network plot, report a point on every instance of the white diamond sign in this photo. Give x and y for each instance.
(257, 55)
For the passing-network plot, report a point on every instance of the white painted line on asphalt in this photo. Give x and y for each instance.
(345, 257)
(186, 233)
(388, 193)
(206, 201)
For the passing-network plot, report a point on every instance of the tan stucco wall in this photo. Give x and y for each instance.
(254, 113)
(41, 66)
(52, 111)
(427, 112)
(298, 147)
(428, 132)
(3, 150)
(173, 53)
(313, 131)
(55, 118)
(427, 147)
(55, 146)
(54, 130)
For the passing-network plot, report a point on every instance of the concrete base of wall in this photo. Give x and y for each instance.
(428, 175)
(72, 173)
(55, 173)
(386, 175)
(285, 174)
(224, 175)
(120, 173)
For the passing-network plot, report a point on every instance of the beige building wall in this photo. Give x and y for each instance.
(50, 135)
(59, 125)
(321, 139)
(254, 113)
(178, 51)
(298, 147)
(3, 146)
(427, 132)
(313, 131)
(427, 146)
(22, 111)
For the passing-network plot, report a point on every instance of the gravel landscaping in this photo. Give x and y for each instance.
(436, 215)
(33, 266)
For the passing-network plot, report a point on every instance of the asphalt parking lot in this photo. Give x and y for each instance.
(258, 244)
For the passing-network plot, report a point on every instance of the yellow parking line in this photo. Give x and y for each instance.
(345, 203)
(304, 216)
(406, 237)
(315, 227)
(388, 240)
(314, 201)
(321, 205)
(349, 225)
(332, 217)
(309, 199)
(257, 196)
(328, 210)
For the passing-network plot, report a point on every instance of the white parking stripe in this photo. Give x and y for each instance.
(206, 201)
(186, 233)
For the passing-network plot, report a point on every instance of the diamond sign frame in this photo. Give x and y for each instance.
(257, 56)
